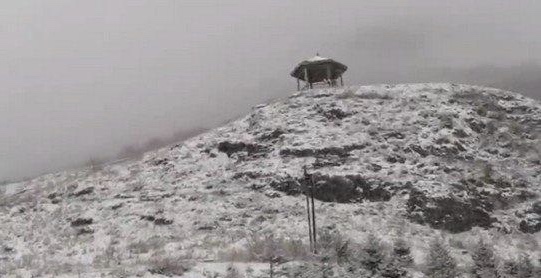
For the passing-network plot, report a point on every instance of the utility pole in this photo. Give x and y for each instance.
(309, 218)
(310, 208)
(313, 214)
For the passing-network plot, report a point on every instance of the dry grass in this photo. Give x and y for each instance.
(262, 248)
(140, 247)
(168, 265)
(374, 95)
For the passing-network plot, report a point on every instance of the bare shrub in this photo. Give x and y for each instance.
(168, 266)
(233, 272)
(94, 164)
(348, 93)
(234, 255)
(140, 247)
(440, 264)
(263, 248)
(110, 256)
(374, 95)
(484, 260)
(371, 256)
(334, 246)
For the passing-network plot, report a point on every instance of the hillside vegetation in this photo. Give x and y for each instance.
(439, 170)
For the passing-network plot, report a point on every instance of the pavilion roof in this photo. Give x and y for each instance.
(317, 67)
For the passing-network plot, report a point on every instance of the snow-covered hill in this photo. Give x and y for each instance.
(412, 160)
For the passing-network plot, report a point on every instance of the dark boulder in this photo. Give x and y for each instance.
(85, 191)
(271, 136)
(234, 147)
(448, 213)
(395, 158)
(148, 217)
(418, 149)
(81, 222)
(342, 151)
(163, 221)
(532, 219)
(536, 207)
(84, 231)
(394, 134)
(334, 113)
(476, 125)
(340, 189)
(531, 225)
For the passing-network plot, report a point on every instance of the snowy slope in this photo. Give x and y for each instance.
(416, 159)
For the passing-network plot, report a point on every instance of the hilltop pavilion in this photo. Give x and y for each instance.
(319, 70)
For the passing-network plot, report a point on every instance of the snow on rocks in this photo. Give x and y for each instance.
(445, 157)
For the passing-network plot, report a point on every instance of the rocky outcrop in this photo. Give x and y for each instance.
(342, 151)
(531, 222)
(81, 222)
(336, 188)
(448, 213)
(231, 148)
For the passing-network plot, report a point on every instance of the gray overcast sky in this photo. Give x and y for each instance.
(83, 79)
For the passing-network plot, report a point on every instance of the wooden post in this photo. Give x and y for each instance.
(307, 78)
(309, 218)
(313, 214)
(309, 181)
(329, 75)
(308, 210)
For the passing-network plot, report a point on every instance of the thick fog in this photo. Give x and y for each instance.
(84, 80)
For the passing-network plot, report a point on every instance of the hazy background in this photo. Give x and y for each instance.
(82, 80)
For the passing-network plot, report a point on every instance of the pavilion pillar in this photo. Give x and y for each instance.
(307, 78)
(329, 75)
(341, 81)
(298, 85)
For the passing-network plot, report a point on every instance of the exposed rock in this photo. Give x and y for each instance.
(160, 162)
(162, 221)
(338, 151)
(247, 174)
(446, 150)
(234, 147)
(85, 191)
(375, 167)
(446, 121)
(476, 125)
(394, 134)
(84, 231)
(148, 217)
(272, 135)
(206, 227)
(395, 158)
(117, 206)
(334, 113)
(340, 189)
(418, 149)
(460, 133)
(531, 225)
(532, 219)
(328, 161)
(448, 213)
(337, 188)
(81, 222)
(536, 207)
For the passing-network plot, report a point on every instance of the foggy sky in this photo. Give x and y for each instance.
(83, 79)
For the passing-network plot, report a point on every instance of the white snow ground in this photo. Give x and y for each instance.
(191, 200)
